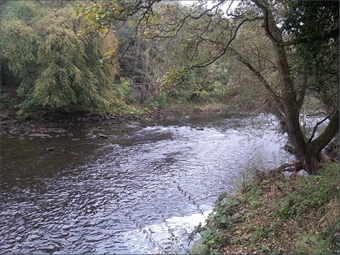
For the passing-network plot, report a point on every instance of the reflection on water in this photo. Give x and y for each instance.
(138, 192)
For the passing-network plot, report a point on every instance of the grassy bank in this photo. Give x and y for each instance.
(273, 215)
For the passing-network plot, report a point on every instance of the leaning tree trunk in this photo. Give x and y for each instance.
(307, 152)
(305, 155)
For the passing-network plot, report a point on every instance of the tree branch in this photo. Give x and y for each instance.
(328, 134)
(319, 123)
(224, 50)
(331, 34)
(266, 21)
(302, 92)
(277, 99)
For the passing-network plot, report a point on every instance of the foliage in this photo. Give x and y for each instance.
(184, 48)
(159, 57)
(137, 57)
(173, 52)
(316, 24)
(103, 14)
(157, 65)
(158, 102)
(311, 193)
(6, 102)
(221, 218)
(286, 84)
(252, 220)
(121, 88)
(59, 67)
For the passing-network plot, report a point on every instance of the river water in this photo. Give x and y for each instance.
(141, 191)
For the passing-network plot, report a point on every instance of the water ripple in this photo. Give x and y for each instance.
(136, 193)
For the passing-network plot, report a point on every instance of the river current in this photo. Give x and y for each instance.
(141, 191)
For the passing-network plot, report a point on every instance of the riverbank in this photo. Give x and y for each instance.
(271, 214)
(37, 122)
(262, 218)
(13, 126)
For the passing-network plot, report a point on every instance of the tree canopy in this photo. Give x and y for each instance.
(71, 56)
(315, 25)
(296, 55)
(59, 65)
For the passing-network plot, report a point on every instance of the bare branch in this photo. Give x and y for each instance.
(319, 123)
(226, 47)
(277, 99)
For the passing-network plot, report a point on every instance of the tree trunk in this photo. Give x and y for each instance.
(307, 152)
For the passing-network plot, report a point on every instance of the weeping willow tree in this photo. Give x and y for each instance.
(59, 66)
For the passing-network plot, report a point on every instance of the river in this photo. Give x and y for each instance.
(141, 191)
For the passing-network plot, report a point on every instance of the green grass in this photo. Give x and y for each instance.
(272, 215)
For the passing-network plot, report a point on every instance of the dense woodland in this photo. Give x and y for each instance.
(118, 57)
(107, 68)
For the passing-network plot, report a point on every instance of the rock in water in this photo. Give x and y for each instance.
(103, 136)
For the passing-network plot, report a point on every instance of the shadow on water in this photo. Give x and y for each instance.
(140, 191)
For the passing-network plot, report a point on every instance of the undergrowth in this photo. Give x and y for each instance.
(272, 215)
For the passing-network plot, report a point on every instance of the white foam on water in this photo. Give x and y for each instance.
(170, 236)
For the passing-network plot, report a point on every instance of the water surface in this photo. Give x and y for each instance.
(140, 191)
